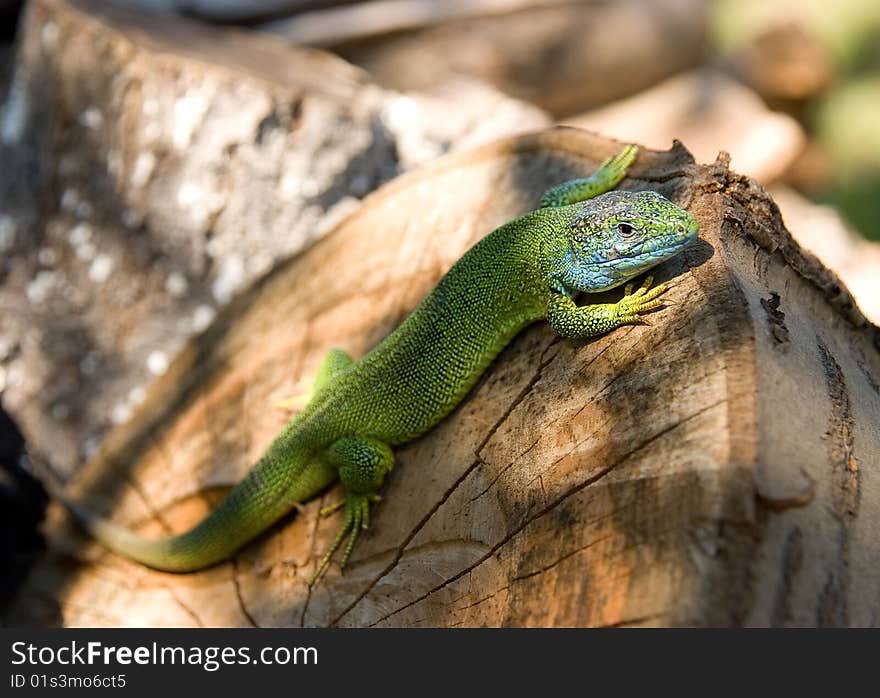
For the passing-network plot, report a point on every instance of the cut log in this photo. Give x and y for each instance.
(824, 232)
(708, 112)
(561, 55)
(787, 64)
(716, 468)
(152, 168)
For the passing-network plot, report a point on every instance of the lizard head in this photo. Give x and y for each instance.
(618, 235)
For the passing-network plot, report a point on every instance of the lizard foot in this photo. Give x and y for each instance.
(357, 518)
(613, 169)
(642, 300)
(331, 509)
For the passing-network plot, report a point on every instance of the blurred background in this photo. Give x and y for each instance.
(141, 188)
(790, 88)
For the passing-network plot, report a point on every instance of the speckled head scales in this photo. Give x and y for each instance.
(617, 235)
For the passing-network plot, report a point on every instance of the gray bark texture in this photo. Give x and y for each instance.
(153, 168)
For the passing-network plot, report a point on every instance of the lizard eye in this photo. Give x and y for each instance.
(625, 230)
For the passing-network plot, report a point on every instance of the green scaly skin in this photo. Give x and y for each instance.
(580, 240)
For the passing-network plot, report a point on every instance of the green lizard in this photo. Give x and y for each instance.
(581, 239)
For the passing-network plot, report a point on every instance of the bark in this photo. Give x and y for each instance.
(823, 231)
(715, 468)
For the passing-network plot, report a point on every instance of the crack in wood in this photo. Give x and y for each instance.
(186, 608)
(549, 425)
(846, 492)
(561, 559)
(474, 464)
(542, 512)
(241, 605)
(792, 561)
(482, 600)
(775, 319)
(498, 545)
(833, 606)
(312, 544)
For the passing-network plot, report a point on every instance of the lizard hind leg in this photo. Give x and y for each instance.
(363, 463)
(610, 173)
(334, 362)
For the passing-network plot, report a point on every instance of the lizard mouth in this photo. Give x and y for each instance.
(649, 257)
(606, 269)
(653, 251)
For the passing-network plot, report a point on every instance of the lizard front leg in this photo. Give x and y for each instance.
(569, 320)
(363, 464)
(608, 176)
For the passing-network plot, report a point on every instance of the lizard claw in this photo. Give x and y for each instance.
(642, 300)
(331, 508)
(357, 518)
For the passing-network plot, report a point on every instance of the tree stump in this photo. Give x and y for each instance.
(716, 468)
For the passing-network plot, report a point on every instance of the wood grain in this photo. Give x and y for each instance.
(716, 468)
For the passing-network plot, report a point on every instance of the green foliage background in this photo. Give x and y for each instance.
(846, 121)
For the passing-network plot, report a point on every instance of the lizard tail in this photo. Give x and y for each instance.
(281, 478)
